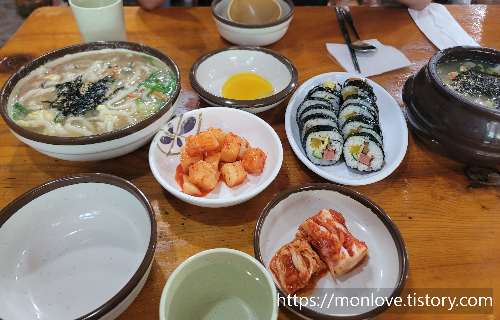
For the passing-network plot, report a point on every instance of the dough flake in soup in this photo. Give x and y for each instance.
(91, 93)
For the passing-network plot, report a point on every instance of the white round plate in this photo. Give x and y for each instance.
(392, 124)
(165, 148)
(385, 270)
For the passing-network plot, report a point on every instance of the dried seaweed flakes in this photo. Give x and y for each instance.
(476, 82)
(76, 97)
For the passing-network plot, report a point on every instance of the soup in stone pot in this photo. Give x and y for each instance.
(477, 81)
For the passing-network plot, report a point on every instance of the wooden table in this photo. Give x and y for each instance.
(451, 230)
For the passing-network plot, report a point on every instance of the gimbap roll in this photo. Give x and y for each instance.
(323, 145)
(357, 86)
(360, 99)
(362, 124)
(312, 101)
(352, 110)
(317, 109)
(363, 152)
(313, 120)
(328, 92)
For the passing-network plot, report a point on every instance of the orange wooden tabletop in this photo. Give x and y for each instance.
(451, 230)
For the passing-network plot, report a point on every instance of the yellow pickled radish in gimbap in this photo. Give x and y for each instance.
(330, 84)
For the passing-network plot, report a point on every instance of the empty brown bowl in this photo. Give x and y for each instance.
(450, 124)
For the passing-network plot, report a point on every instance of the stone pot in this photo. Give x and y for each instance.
(448, 123)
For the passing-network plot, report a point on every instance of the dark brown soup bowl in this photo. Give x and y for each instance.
(98, 146)
(448, 123)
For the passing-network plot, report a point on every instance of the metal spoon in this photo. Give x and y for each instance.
(357, 45)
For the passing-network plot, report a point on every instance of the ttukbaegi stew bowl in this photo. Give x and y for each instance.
(77, 247)
(96, 146)
(450, 124)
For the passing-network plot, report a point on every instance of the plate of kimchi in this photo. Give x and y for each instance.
(216, 174)
(331, 251)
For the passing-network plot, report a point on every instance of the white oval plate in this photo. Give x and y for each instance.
(384, 272)
(392, 124)
(164, 153)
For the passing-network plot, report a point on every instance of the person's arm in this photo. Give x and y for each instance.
(150, 4)
(415, 4)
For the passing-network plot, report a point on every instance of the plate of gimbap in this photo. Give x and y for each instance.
(346, 128)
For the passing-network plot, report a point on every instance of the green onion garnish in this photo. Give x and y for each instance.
(150, 59)
(56, 118)
(159, 105)
(151, 77)
(20, 108)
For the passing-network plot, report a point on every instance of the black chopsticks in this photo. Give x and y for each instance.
(345, 32)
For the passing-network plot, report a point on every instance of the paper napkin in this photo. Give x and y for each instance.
(386, 58)
(440, 27)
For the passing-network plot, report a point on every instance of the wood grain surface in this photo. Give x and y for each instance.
(451, 230)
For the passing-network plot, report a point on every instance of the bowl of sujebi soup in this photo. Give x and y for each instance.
(91, 101)
(453, 104)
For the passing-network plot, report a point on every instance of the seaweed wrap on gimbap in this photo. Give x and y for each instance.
(359, 87)
(361, 99)
(329, 91)
(363, 152)
(355, 109)
(313, 101)
(323, 145)
(358, 124)
(313, 120)
(317, 109)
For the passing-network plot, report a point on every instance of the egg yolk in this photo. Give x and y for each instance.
(246, 86)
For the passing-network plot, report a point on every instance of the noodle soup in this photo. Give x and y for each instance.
(91, 93)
